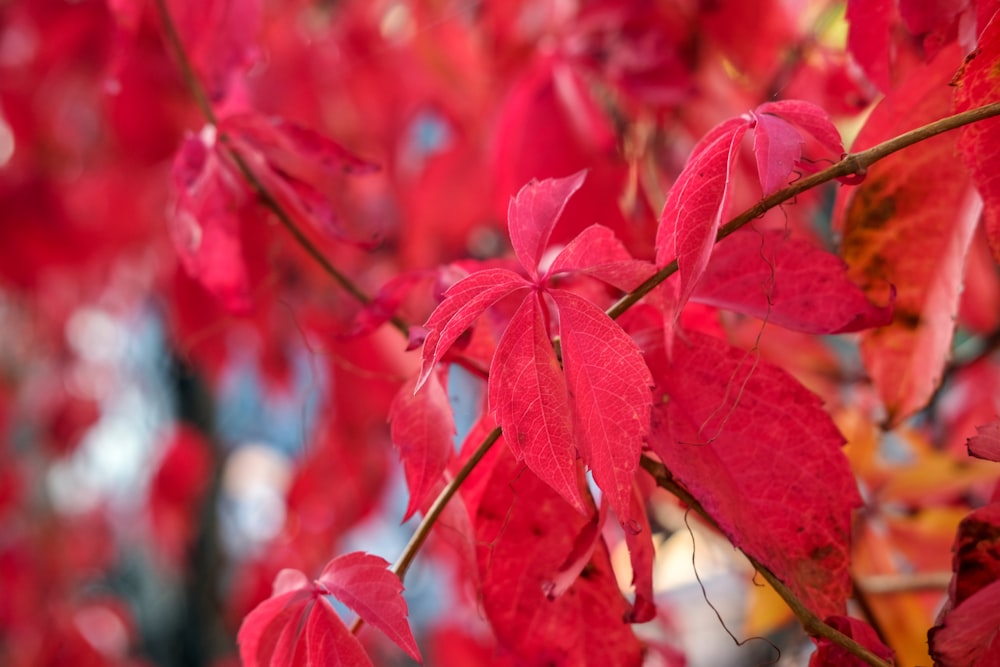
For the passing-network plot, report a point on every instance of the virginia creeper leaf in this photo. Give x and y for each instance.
(597, 252)
(761, 455)
(986, 443)
(533, 213)
(788, 282)
(695, 206)
(205, 224)
(608, 384)
(524, 533)
(364, 583)
(464, 302)
(828, 654)
(870, 36)
(528, 396)
(641, 554)
(298, 627)
(777, 145)
(910, 224)
(809, 117)
(977, 85)
(422, 429)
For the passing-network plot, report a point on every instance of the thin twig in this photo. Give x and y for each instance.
(812, 624)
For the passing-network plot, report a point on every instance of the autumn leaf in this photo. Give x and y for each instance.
(787, 282)
(298, 626)
(986, 443)
(525, 532)
(205, 222)
(778, 139)
(422, 428)
(976, 84)
(532, 215)
(910, 225)
(762, 456)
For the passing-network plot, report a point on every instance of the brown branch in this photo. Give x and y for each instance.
(852, 164)
(266, 197)
(812, 624)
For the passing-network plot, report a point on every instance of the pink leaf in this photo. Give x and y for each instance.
(758, 451)
(641, 554)
(464, 302)
(597, 252)
(976, 86)
(363, 582)
(986, 443)
(422, 429)
(205, 224)
(778, 147)
(528, 396)
(809, 117)
(533, 213)
(828, 654)
(788, 282)
(696, 204)
(910, 224)
(609, 389)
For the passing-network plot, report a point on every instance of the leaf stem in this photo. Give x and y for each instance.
(266, 197)
(812, 624)
(851, 164)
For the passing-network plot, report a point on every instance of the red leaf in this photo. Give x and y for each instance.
(809, 117)
(609, 392)
(869, 38)
(695, 206)
(524, 533)
(777, 145)
(363, 582)
(967, 636)
(597, 252)
(464, 302)
(759, 452)
(533, 213)
(910, 224)
(528, 397)
(986, 443)
(641, 554)
(976, 86)
(828, 654)
(205, 224)
(788, 282)
(423, 429)
(297, 627)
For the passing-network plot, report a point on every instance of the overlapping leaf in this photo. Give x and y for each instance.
(758, 451)
(297, 626)
(910, 225)
(787, 282)
(828, 654)
(986, 443)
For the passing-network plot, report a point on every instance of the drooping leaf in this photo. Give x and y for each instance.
(977, 85)
(910, 225)
(609, 392)
(641, 554)
(758, 451)
(533, 213)
(787, 282)
(528, 396)
(695, 206)
(205, 223)
(809, 117)
(464, 302)
(364, 583)
(422, 429)
(828, 654)
(986, 443)
(777, 145)
(524, 533)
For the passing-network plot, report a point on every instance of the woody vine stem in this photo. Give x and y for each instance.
(850, 164)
